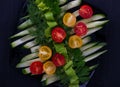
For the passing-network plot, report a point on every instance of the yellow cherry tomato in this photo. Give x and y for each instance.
(75, 41)
(44, 53)
(49, 67)
(69, 19)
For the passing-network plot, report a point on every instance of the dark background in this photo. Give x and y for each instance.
(106, 75)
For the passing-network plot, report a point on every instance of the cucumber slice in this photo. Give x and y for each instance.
(51, 80)
(26, 71)
(96, 24)
(62, 2)
(30, 44)
(25, 24)
(25, 17)
(93, 56)
(93, 18)
(24, 32)
(35, 49)
(93, 67)
(76, 13)
(27, 63)
(84, 47)
(29, 57)
(22, 40)
(93, 49)
(71, 5)
(93, 30)
(86, 40)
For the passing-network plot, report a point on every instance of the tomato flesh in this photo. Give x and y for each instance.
(75, 42)
(86, 11)
(49, 67)
(58, 59)
(45, 53)
(36, 68)
(80, 29)
(58, 34)
(69, 19)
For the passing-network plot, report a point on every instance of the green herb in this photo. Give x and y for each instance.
(38, 19)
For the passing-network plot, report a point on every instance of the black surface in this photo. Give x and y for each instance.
(106, 75)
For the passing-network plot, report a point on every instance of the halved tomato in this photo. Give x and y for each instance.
(58, 34)
(75, 41)
(58, 59)
(86, 11)
(69, 19)
(49, 67)
(36, 68)
(44, 53)
(80, 29)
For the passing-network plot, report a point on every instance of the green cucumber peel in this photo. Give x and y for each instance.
(26, 71)
(25, 24)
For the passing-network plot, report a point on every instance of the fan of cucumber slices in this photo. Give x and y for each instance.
(57, 33)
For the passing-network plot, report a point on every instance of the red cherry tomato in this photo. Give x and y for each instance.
(80, 29)
(36, 68)
(58, 34)
(86, 11)
(58, 59)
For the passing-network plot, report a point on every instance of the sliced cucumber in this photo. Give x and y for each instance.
(93, 49)
(22, 40)
(26, 71)
(35, 49)
(93, 56)
(76, 13)
(24, 32)
(93, 18)
(96, 24)
(30, 44)
(46, 76)
(93, 67)
(29, 57)
(93, 30)
(71, 5)
(51, 80)
(89, 45)
(26, 63)
(86, 40)
(62, 2)
(25, 17)
(25, 24)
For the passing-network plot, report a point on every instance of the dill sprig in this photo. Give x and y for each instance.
(53, 6)
(37, 17)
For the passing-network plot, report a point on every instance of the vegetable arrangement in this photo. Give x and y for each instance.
(60, 44)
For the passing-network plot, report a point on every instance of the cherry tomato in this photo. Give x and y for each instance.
(45, 53)
(58, 59)
(75, 41)
(58, 34)
(86, 11)
(49, 67)
(36, 68)
(69, 19)
(80, 29)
